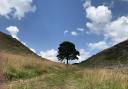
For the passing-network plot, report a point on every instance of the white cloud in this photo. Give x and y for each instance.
(66, 31)
(99, 45)
(13, 30)
(83, 55)
(100, 14)
(74, 33)
(49, 54)
(80, 29)
(99, 17)
(117, 30)
(101, 23)
(16, 8)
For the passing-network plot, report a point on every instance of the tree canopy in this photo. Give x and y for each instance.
(67, 51)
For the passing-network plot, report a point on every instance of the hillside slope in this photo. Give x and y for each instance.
(114, 56)
(9, 44)
(18, 62)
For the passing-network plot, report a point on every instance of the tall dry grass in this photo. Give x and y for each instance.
(82, 79)
(18, 66)
(104, 79)
(58, 76)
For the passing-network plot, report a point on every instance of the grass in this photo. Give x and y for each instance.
(70, 79)
(28, 72)
(14, 67)
(24, 73)
(103, 79)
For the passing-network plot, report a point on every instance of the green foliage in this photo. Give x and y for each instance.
(67, 51)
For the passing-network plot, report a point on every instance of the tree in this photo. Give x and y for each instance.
(67, 51)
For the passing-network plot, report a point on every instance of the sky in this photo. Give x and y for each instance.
(41, 25)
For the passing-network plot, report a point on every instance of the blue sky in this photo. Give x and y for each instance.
(92, 25)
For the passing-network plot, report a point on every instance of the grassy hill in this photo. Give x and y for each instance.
(20, 68)
(116, 56)
(19, 62)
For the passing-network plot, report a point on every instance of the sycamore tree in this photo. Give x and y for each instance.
(67, 51)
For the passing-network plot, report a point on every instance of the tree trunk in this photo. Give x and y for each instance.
(67, 61)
